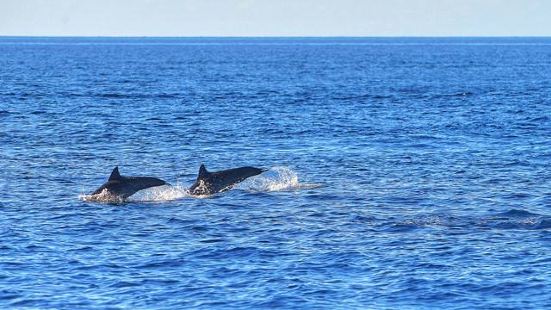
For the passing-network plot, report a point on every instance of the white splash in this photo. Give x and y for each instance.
(274, 180)
(160, 193)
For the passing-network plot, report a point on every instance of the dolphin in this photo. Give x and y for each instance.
(120, 187)
(209, 183)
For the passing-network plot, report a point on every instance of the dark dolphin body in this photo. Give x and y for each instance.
(120, 187)
(214, 182)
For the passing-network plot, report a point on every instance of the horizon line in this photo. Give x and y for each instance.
(276, 36)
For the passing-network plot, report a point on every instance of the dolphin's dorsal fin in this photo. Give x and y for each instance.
(115, 175)
(202, 172)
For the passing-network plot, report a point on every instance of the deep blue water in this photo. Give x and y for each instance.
(404, 173)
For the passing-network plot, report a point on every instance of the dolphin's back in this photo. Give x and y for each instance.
(124, 187)
(213, 182)
(227, 178)
(133, 184)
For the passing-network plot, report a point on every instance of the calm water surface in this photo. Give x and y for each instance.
(404, 173)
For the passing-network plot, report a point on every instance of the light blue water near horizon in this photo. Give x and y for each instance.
(404, 172)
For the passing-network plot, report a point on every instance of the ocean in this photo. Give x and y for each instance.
(403, 173)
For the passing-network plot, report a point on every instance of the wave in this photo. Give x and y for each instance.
(512, 219)
(516, 213)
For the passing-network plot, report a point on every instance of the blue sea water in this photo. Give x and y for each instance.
(405, 173)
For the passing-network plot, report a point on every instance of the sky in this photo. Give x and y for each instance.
(275, 17)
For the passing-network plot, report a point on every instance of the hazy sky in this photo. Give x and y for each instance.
(275, 17)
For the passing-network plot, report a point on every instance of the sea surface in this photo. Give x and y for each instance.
(404, 173)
